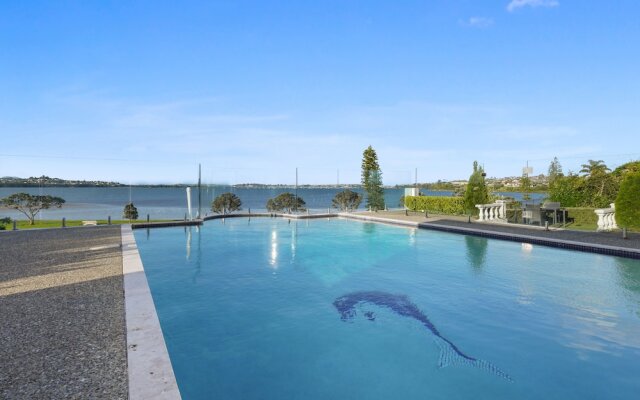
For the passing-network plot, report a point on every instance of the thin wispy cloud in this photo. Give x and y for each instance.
(477, 22)
(517, 4)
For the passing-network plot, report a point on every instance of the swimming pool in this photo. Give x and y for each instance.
(337, 309)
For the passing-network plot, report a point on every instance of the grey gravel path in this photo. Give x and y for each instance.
(62, 326)
(587, 237)
(604, 238)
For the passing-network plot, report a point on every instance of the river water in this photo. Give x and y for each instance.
(171, 202)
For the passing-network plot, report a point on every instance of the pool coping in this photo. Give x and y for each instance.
(513, 237)
(148, 364)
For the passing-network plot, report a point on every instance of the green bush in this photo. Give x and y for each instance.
(628, 202)
(286, 202)
(3, 222)
(437, 204)
(582, 216)
(130, 211)
(225, 203)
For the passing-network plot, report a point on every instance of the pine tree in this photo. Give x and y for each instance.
(372, 179)
(476, 192)
(555, 171)
(375, 192)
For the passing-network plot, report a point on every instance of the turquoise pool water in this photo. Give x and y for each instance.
(337, 309)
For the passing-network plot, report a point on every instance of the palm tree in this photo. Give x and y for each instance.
(594, 168)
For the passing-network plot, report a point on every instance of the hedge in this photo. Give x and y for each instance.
(437, 204)
(628, 202)
(582, 215)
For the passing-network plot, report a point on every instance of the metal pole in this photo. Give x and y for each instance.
(296, 203)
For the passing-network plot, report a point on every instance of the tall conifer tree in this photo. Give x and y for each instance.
(372, 179)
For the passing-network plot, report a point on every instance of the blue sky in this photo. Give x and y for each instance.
(143, 91)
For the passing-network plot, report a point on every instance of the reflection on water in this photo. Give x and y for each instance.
(294, 239)
(629, 277)
(369, 227)
(412, 236)
(476, 251)
(629, 273)
(187, 230)
(273, 259)
(197, 258)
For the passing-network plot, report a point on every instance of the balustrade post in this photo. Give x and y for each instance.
(480, 208)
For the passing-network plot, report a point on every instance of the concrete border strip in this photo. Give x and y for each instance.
(149, 366)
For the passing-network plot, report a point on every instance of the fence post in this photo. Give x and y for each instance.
(64, 222)
(109, 220)
(148, 219)
(15, 226)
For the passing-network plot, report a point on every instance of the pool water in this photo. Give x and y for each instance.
(268, 308)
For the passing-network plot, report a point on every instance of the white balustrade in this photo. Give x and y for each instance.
(495, 212)
(606, 218)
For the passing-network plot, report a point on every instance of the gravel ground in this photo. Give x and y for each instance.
(62, 326)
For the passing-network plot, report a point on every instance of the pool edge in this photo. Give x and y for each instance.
(148, 364)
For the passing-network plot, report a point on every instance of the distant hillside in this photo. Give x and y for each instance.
(46, 181)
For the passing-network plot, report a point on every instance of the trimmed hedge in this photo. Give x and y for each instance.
(437, 204)
(582, 216)
(628, 202)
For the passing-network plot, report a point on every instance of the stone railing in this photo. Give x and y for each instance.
(606, 218)
(496, 212)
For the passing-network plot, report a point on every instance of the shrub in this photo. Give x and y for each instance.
(226, 202)
(346, 200)
(628, 202)
(438, 204)
(582, 216)
(286, 202)
(130, 211)
(569, 191)
(3, 222)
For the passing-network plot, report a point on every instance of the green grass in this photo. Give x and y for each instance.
(57, 223)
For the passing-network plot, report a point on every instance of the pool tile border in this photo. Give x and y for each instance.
(513, 237)
(149, 366)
